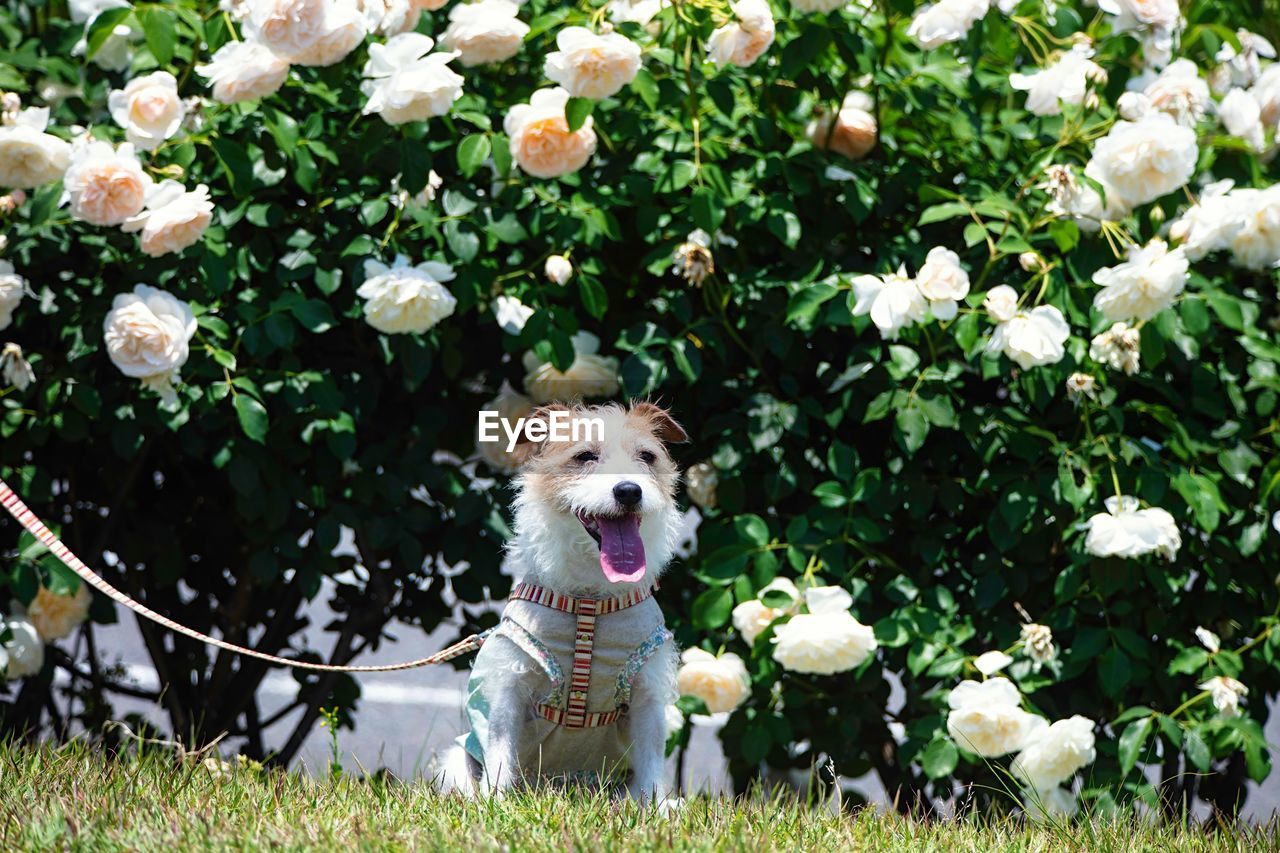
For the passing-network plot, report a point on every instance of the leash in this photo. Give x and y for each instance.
(37, 528)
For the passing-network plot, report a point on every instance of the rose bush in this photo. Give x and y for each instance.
(970, 310)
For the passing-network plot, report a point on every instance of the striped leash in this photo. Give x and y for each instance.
(37, 528)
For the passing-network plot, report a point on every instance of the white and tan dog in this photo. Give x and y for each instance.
(576, 679)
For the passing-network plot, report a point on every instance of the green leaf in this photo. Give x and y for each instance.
(160, 26)
(253, 417)
(473, 150)
(912, 428)
(646, 87)
(806, 301)
(711, 609)
(101, 29)
(235, 164)
(1197, 750)
(1132, 739)
(314, 314)
(940, 758)
(577, 111)
(941, 212)
(594, 297)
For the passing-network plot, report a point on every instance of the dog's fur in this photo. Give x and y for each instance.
(552, 548)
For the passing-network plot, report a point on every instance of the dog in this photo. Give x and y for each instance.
(575, 681)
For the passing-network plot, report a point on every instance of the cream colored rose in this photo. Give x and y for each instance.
(825, 640)
(1144, 285)
(511, 314)
(406, 299)
(149, 109)
(1032, 338)
(244, 71)
(986, 718)
(592, 66)
(590, 375)
(541, 142)
(558, 270)
(1179, 91)
(510, 405)
(745, 39)
(1001, 303)
(56, 616)
(105, 186)
(720, 682)
(751, 618)
(1054, 753)
(893, 301)
(116, 52)
(700, 482)
(853, 131)
(24, 649)
(173, 219)
(307, 32)
(404, 83)
(29, 157)
(1144, 160)
(943, 281)
(484, 32)
(12, 288)
(1126, 531)
(1226, 693)
(148, 334)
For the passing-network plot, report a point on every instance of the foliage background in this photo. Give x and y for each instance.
(940, 486)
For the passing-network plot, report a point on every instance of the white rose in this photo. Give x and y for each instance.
(1055, 753)
(149, 109)
(854, 131)
(393, 17)
(1208, 639)
(1063, 82)
(1131, 14)
(510, 406)
(484, 32)
(1126, 531)
(511, 314)
(403, 83)
(12, 288)
(987, 719)
(56, 616)
(25, 650)
(1256, 244)
(558, 270)
(943, 282)
(116, 52)
(1133, 105)
(173, 218)
(30, 157)
(935, 24)
(1267, 93)
(893, 301)
(105, 186)
(634, 11)
(1241, 68)
(15, 370)
(742, 41)
(1120, 348)
(406, 299)
(1001, 303)
(750, 618)
(590, 375)
(1241, 115)
(1211, 224)
(148, 334)
(1275, 521)
(1179, 91)
(989, 663)
(541, 142)
(1032, 337)
(244, 71)
(1142, 286)
(1146, 159)
(722, 683)
(592, 66)
(827, 639)
(307, 32)
(819, 6)
(1226, 694)
(700, 481)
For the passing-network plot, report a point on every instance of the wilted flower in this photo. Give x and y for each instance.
(1069, 196)
(692, 259)
(12, 288)
(825, 640)
(987, 719)
(1226, 693)
(590, 375)
(700, 482)
(1208, 639)
(743, 40)
(558, 270)
(1144, 160)
(1032, 337)
(1054, 753)
(1081, 385)
(1037, 643)
(55, 616)
(405, 82)
(15, 370)
(541, 142)
(1126, 531)
(148, 334)
(594, 66)
(1063, 82)
(989, 663)
(851, 132)
(405, 298)
(1119, 348)
(29, 157)
(484, 32)
(894, 301)
(511, 314)
(720, 682)
(943, 281)
(1142, 286)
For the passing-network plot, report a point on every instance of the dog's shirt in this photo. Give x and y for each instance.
(590, 651)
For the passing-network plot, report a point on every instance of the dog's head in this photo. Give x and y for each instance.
(599, 509)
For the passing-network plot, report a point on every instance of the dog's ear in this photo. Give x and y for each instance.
(664, 426)
(526, 448)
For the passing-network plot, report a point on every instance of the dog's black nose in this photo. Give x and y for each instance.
(627, 493)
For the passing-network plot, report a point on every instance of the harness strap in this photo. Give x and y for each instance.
(569, 604)
(591, 720)
(37, 528)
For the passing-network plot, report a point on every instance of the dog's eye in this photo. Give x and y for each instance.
(585, 456)
(648, 457)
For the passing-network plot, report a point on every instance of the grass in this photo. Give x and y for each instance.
(77, 798)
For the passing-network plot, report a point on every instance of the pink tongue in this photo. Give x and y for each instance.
(621, 549)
